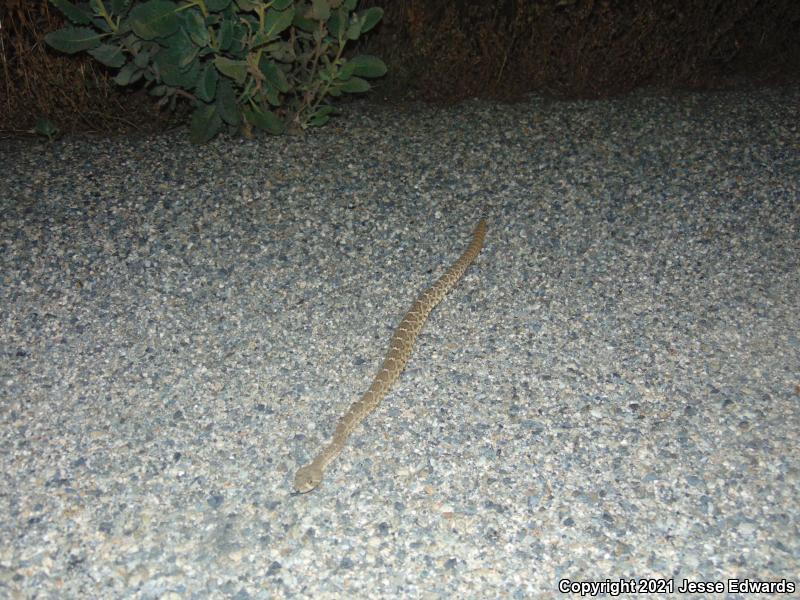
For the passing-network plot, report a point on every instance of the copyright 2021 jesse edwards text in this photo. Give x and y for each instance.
(618, 587)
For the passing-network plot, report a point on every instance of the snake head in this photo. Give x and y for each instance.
(307, 478)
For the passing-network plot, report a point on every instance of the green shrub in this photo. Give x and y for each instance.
(272, 65)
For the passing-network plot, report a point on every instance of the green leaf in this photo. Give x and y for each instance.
(281, 4)
(369, 18)
(266, 120)
(205, 124)
(128, 74)
(324, 110)
(141, 59)
(45, 127)
(326, 76)
(346, 71)
(168, 70)
(239, 42)
(179, 48)
(191, 75)
(124, 28)
(277, 20)
(177, 65)
(134, 44)
(195, 26)
(225, 36)
(207, 83)
(226, 103)
(273, 74)
(350, 5)
(217, 5)
(73, 13)
(355, 85)
(273, 96)
(282, 51)
(354, 30)
(73, 39)
(248, 5)
(155, 19)
(146, 52)
(320, 10)
(235, 69)
(366, 65)
(336, 22)
(319, 120)
(303, 24)
(111, 56)
(321, 116)
(101, 24)
(119, 8)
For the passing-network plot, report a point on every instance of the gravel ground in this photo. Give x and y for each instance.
(611, 392)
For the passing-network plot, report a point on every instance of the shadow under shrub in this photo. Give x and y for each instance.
(448, 50)
(75, 92)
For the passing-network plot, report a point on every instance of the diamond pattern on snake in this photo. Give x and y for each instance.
(309, 476)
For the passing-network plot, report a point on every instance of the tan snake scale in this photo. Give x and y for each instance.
(309, 476)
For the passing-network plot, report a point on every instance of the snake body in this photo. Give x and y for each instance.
(309, 476)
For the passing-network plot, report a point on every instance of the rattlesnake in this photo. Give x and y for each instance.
(309, 476)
